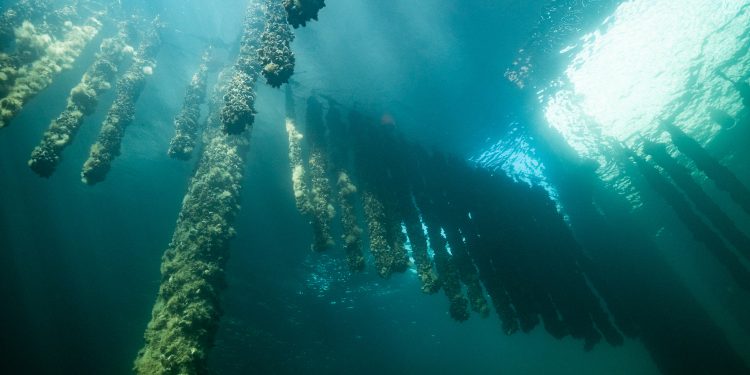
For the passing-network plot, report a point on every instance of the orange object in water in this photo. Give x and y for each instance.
(387, 119)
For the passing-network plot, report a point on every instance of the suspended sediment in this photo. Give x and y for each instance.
(186, 123)
(82, 102)
(55, 56)
(122, 111)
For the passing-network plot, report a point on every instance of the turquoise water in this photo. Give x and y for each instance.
(579, 206)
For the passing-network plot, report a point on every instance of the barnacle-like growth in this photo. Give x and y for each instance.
(81, 102)
(450, 279)
(56, 57)
(299, 182)
(187, 310)
(321, 206)
(315, 200)
(276, 56)
(186, 122)
(468, 274)
(301, 11)
(376, 227)
(418, 241)
(122, 111)
(238, 112)
(396, 239)
(352, 232)
(320, 198)
(474, 292)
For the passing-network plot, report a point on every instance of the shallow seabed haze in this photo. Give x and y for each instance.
(375, 187)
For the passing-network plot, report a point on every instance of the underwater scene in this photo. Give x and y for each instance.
(375, 187)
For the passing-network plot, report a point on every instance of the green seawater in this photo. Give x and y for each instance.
(80, 265)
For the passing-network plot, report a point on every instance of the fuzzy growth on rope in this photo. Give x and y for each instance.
(56, 57)
(82, 102)
(186, 122)
(122, 111)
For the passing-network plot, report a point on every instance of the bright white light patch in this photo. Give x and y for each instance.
(652, 60)
(515, 155)
(625, 75)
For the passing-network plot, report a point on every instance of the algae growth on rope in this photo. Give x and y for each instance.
(54, 57)
(398, 194)
(186, 124)
(122, 111)
(186, 314)
(82, 102)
